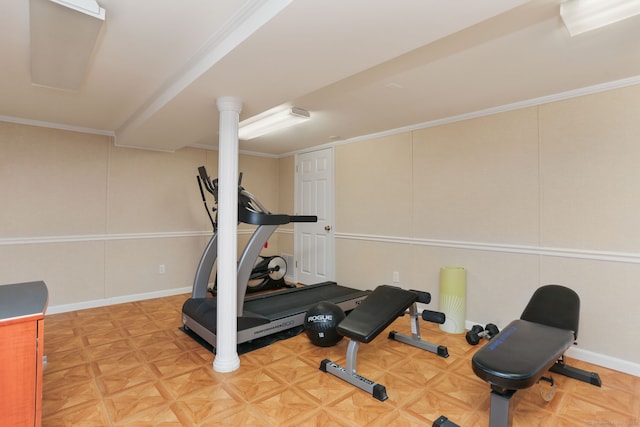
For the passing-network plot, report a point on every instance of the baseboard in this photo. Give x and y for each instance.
(598, 359)
(63, 308)
(605, 361)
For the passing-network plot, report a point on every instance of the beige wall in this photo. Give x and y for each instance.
(286, 168)
(41, 171)
(477, 180)
(374, 186)
(546, 194)
(95, 221)
(260, 178)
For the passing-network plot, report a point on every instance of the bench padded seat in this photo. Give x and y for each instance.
(376, 312)
(520, 354)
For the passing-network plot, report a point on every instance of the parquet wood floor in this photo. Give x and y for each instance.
(130, 365)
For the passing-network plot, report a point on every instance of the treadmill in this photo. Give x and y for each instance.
(260, 315)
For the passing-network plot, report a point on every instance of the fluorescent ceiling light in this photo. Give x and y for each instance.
(262, 124)
(63, 36)
(89, 7)
(580, 16)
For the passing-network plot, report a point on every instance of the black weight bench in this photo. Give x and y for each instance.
(522, 353)
(374, 314)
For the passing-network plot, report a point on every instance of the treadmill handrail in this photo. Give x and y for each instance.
(258, 218)
(252, 201)
(211, 186)
(303, 218)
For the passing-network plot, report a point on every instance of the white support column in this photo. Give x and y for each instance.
(227, 359)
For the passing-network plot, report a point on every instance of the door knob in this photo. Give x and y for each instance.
(327, 228)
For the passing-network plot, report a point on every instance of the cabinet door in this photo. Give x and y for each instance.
(39, 369)
(18, 374)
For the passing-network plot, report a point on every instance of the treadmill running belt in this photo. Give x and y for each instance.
(297, 301)
(267, 317)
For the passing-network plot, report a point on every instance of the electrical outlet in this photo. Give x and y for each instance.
(396, 277)
(161, 269)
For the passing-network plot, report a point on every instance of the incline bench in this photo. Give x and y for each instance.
(520, 355)
(374, 314)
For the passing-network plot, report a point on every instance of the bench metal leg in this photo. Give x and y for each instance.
(349, 374)
(352, 356)
(444, 422)
(499, 415)
(392, 301)
(415, 339)
(576, 373)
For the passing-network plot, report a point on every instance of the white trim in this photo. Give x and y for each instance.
(142, 147)
(625, 257)
(605, 361)
(589, 90)
(574, 352)
(7, 241)
(609, 256)
(63, 308)
(60, 126)
(99, 237)
(251, 17)
(245, 152)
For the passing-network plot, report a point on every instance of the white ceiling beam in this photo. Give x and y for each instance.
(254, 15)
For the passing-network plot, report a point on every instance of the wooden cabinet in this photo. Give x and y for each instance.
(22, 308)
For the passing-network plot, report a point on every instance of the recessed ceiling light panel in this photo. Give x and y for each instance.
(580, 16)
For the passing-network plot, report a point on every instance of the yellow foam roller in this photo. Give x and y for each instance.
(453, 298)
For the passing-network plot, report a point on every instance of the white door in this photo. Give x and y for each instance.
(315, 241)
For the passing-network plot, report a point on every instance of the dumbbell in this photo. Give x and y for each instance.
(477, 332)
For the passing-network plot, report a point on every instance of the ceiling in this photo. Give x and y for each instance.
(361, 67)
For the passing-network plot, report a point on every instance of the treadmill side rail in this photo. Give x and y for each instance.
(268, 314)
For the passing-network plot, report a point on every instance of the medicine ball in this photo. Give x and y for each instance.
(320, 323)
